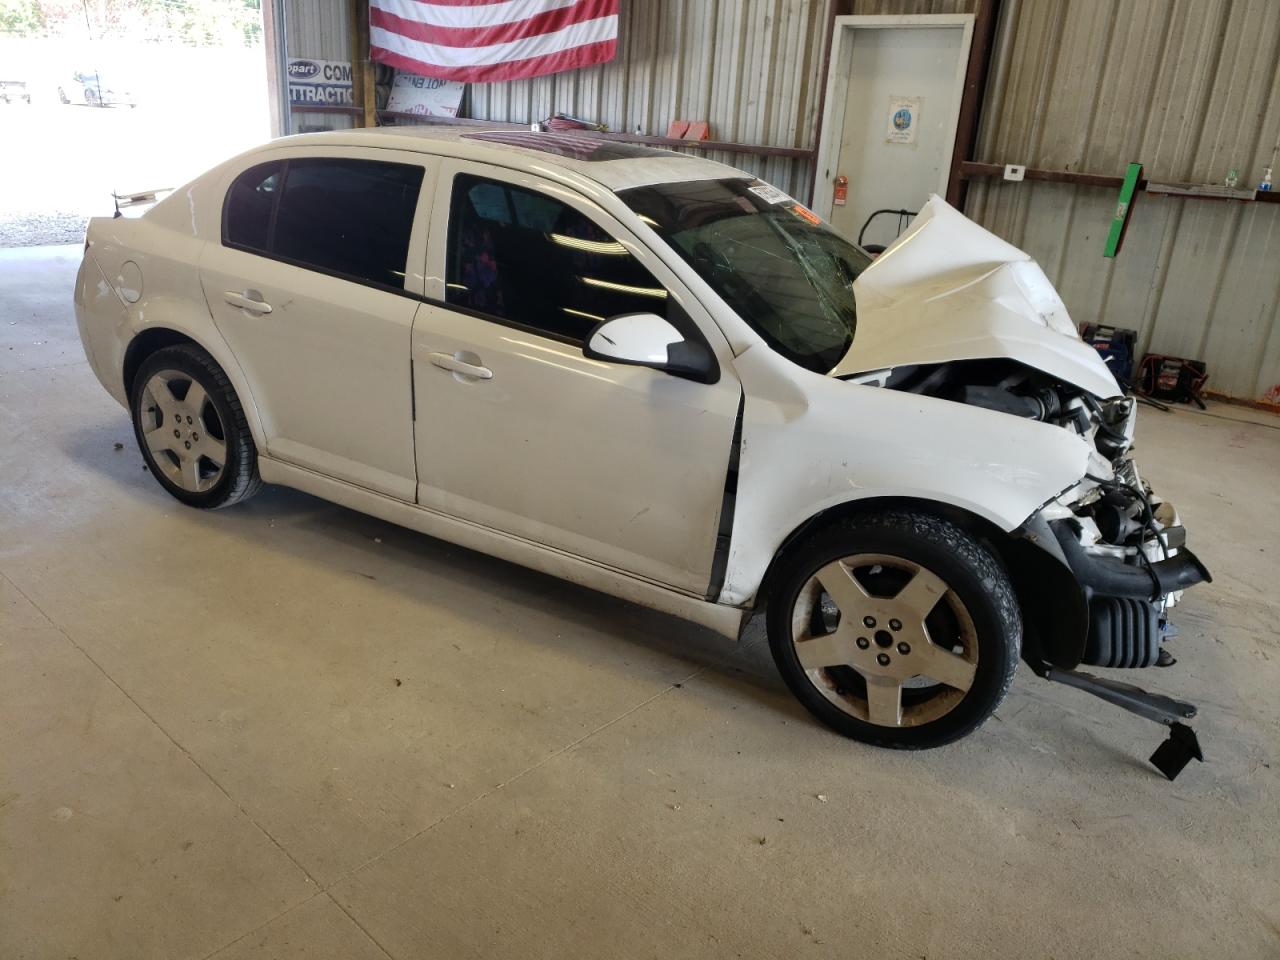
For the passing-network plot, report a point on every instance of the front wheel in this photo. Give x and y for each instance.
(191, 428)
(897, 629)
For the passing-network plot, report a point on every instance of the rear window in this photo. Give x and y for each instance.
(351, 218)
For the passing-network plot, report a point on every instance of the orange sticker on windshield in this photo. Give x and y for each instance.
(807, 214)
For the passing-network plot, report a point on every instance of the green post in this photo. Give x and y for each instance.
(1123, 208)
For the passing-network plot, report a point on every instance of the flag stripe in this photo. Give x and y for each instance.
(574, 35)
(571, 59)
(441, 14)
(390, 15)
(484, 42)
(486, 3)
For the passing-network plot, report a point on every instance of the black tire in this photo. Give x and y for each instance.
(973, 575)
(239, 478)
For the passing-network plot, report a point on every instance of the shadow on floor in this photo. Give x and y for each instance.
(313, 531)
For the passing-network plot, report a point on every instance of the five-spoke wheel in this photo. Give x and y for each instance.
(191, 428)
(871, 614)
(899, 628)
(182, 430)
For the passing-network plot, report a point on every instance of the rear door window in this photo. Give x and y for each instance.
(250, 203)
(530, 260)
(347, 217)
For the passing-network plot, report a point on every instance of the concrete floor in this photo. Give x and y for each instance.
(289, 730)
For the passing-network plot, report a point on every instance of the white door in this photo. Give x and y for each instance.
(517, 430)
(893, 99)
(308, 288)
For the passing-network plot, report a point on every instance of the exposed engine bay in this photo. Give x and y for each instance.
(1125, 544)
(1008, 386)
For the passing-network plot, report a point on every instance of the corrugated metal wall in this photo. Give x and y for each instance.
(318, 30)
(1191, 89)
(750, 67)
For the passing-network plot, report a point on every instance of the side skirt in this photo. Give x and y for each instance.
(724, 620)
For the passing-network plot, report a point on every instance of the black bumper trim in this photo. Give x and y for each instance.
(1115, 578)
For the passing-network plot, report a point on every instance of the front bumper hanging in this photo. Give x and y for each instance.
(1176, 752)
(1125, 627)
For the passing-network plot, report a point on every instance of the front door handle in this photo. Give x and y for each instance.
(449, 362)
(250, 300)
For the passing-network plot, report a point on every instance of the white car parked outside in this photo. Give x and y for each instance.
(659, 377)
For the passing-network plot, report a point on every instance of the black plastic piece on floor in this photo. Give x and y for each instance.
(1175, 753)
(1153, 706)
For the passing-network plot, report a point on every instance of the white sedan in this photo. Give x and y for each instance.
(659, 377)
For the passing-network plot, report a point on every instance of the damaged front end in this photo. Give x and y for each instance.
(952, 312)
(1125, 549)
(1098, 567)
(1123, 564)
(1117, 545)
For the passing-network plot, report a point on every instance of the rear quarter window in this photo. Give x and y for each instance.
(250, 202)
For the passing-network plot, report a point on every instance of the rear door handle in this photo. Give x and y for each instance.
(448, 362)
(250, 300)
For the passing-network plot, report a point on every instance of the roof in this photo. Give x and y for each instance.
(616, 165)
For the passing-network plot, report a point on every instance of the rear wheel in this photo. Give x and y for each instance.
(191, 428)
(898, 629)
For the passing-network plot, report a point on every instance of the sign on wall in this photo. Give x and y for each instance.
(426, 96)
(322, 82)
(904, 119)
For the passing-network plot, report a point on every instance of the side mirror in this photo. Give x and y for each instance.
(648, 340)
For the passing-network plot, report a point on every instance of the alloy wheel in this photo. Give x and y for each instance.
(182, 431)
(885, 640)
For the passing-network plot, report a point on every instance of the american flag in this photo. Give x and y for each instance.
(484, 41)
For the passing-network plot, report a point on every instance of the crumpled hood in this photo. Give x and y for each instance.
(947, 289)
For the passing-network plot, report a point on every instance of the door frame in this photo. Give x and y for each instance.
(836, 91)
(674, 278)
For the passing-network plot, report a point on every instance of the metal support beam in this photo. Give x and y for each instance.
(975, 84)
(273, 43)
(363, 88)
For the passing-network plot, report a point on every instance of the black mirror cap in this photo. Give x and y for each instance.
(692, 360)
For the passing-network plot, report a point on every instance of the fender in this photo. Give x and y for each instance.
(169, 307)
(873, 444)
(151, 338)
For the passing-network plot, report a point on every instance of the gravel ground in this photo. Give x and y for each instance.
(60, 164)
(37, 229)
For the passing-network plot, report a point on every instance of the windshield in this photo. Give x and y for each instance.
(770, 259)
